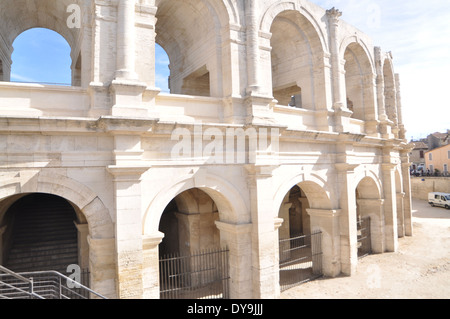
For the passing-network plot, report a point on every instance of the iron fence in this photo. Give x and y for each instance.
(364, 241)
(203, 275)
(300, 259)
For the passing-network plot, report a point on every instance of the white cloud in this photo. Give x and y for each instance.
(20, 78)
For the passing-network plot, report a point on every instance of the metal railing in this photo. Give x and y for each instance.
(203, 275)
(42, 285)
(364, 240)
(300, 260)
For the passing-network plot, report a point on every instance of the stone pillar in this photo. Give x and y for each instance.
(150, 272)
(102, 266)
(390, 206)
(373, 208)
(342, 113)
(327, 221)
(348, 227)
(380, 85)
(129, 255)
(126, 88)
(5, 61)
(83, 245)
(400, 215)
(126, 37)
(265, 267)
(127, 173)
(238, 239)
(188, 232)
(401, 126)
(98, 32)
(284, 215)
(251, 19)
(407, 205)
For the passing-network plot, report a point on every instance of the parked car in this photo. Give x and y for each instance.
(439, 199)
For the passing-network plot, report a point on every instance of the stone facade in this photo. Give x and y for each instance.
(323, 99)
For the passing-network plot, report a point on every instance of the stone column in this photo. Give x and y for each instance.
(401, 126)
(150, 272)
(390, 206)
(327, 221)
(126, 37)
(338, 72)
(238, 239)
(348, 227)
(400, 214)
(251, 20)
(5, 61)
(188, 232)
(380, 85)
(126, 88)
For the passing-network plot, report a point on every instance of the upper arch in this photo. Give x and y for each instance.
(314, 187)
(274, 10)
(226, 197)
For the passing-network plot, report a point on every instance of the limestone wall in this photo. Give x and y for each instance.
(421, 186)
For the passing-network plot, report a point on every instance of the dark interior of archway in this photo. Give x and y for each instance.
(296, 218)
(43, 236)
(169, 227)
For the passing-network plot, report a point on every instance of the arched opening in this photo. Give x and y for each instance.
(189, 33)
(294, 44)
(300, 249)
(192, 263)
(162, 69)
(43, 56)
(359, 83)
(39, 233)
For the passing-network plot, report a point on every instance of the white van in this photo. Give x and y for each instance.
(439, 199)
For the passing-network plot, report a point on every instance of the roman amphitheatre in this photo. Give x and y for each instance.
(89, 178)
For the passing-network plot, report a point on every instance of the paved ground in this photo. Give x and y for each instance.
(420, 268)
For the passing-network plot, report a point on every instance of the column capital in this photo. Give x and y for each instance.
(278, 222)
(388, 166)
(152, 241)
(118, 170)
(264, 171)
(234, 228)
(331, 213)
(334, 14)
(345, 167)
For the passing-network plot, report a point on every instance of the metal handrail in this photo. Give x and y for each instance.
(48, 281)
(21, 278)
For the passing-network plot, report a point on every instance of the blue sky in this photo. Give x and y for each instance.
(416, 31)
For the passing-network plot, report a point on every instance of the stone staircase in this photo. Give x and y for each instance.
(44, 235)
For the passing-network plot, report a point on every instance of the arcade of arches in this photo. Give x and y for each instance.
(89, 175)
